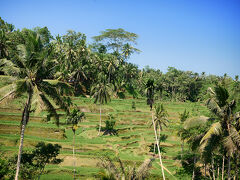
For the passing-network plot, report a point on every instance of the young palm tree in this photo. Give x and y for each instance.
(183, 117)
(74, 118)
(29, 70)
(160, 117)
(112, 171)
(102, 94)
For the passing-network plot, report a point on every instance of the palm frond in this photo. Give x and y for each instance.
(143, 170)
(8, 67)
(37, 101)
(23, 86)
(235, 136)
(8, 97)
(215, 129)
(229, 145)
(51, 91)
(22, 53)
(63, 87)
(222, 95)
(214, 107)
(7, 88)
(50, 108)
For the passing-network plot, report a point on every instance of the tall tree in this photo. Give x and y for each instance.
(183, 117)
(226, 128)
(159, 119)
(29, 70)
(150, 92)
(101, 92)
(119, 42)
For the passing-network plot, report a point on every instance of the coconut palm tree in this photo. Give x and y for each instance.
(159, 119)
(29, 70)
(226, 127)
(150, 92)
(183, 117)
(127, 50)
(101, 92)
(74, 118)
(112, 65)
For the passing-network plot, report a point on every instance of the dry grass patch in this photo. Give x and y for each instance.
(79, 161)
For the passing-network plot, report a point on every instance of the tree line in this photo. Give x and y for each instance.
(72, 60)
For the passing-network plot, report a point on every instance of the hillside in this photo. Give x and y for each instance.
(131, 144)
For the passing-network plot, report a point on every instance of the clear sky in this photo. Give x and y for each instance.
(196, 35)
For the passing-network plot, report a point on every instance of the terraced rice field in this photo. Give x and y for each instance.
(131, 144)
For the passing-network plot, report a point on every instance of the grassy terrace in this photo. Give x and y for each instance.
(131, 145)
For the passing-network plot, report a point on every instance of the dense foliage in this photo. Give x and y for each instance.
(33, 162)
(105, 62)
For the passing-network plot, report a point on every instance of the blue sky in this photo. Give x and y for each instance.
(196, 35)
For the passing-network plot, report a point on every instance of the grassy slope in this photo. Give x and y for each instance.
(131, 144)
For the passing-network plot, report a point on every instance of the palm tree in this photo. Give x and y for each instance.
(3, 44)
(150, 92)
(102, 94)
(127, 50)
(183, 117)
(159, 119)
(226, 127)
(113, 171)
(74, 118)
(29, 71)
(112, 64)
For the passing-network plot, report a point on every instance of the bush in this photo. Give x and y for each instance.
(4, 169)
(163, 138)
(109, 126)
(133, 106)
(33, 162)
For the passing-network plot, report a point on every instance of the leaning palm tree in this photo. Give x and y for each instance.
(29, 70)
(101, 92)
(74, 118)
(159, 119)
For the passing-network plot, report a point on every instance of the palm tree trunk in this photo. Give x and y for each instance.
(109, 77)
(223, 168)
(159, 153)
(182, 147)
(194, 161)
(205, 169)
(229, 167)
(159, 133)
(213, 168)
(154, 148)
(100, 122)
(25, 118)
(218, 172)
(74, 156)
(158, 137)
(236, 168)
